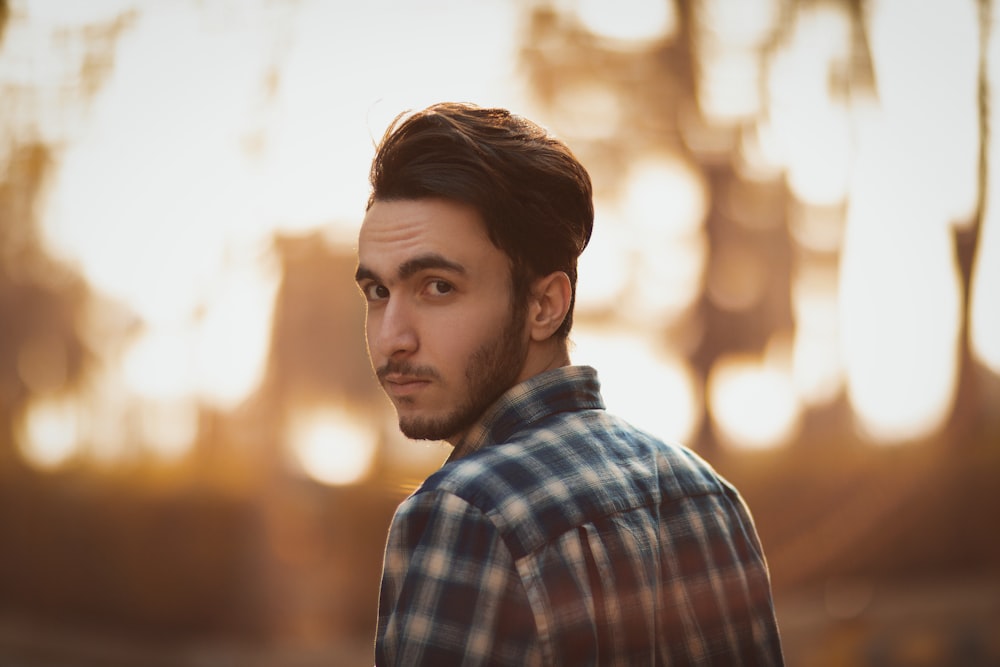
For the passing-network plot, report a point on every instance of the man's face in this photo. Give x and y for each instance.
(443, 337)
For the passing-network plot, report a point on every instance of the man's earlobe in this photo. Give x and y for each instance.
(551, 297)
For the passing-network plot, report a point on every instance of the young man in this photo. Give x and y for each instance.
(555, 534)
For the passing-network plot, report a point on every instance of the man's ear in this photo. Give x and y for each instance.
(551, 296)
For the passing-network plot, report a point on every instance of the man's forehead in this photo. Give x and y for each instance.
(411, 227)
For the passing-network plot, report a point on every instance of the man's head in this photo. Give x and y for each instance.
(467, 259)
(534, 196)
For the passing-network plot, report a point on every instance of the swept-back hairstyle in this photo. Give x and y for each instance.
(534, 196)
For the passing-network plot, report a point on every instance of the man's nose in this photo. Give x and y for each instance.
(395, 334)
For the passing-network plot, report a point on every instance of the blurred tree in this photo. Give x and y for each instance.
(658, 114)
(970, 407)
(40, 301)
(657, 90)
(317, 348)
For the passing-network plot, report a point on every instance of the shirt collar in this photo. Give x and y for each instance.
(564, 389)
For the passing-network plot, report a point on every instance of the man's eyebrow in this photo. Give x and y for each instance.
(364, 273)
(412, 267)
(420, 263)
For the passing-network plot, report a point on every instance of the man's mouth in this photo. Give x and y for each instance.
(404, 385)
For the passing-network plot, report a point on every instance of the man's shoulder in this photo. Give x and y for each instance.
(571, 469)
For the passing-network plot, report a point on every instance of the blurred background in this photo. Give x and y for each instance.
(795, 270)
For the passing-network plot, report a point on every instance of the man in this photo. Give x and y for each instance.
(555, 534)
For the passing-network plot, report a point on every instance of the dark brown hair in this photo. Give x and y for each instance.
(534, 196)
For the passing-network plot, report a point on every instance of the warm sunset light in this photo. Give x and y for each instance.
(604, 266)
(49, 433)
(811, 128)
(739, 24)
(170, 213)
(331, 445)
(662, 213)
(752, 400)
(794, 271)
(253, 155)
(727, 34)
(985, 314)
(944, 95)
(899, 283)
(109, 436)
(640, 381)
(628, 23)
(817, 363)
(158, 364)
(899, 307)
(168, 427)
(233, 333)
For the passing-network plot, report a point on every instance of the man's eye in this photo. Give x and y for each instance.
(376, 292)
(440, 287)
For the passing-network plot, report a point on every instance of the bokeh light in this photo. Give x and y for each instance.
(753, 399)
(787, 197)
(642, 382)
(628, 23)
(49, 432)
(332, 444)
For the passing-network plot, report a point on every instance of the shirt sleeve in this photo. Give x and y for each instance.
(450, 591)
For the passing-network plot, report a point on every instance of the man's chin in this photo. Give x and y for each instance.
(417, 430)
(431, 428)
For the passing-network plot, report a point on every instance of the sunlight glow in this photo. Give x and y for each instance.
(760, 152)
(629, 23)
(340, 84)
(234, 333)
(49, 433)
(171, 179)
(984, 315)
(817, 367)
(603, 267)
(109, 405)
(752, 399)
(588, 110)
(930, 93)
(811, 130)
(331, 444)
(984, 297)
(900, 292)
(899, 299)
(158, 363)
(219, 354)
(168, 428)
(744, 24)
(727, 37)
(662, 211)
(728, 86)
(666, 198)
(74, 13)
(651, 387)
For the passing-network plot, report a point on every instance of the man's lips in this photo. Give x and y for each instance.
(404, 385)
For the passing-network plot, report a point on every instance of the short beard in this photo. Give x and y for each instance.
(492, 370)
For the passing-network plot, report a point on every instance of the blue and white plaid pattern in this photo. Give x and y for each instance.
(558, 534)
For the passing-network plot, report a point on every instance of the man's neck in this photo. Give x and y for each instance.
(545, 356)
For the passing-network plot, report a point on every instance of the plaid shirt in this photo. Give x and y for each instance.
(557, 534)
